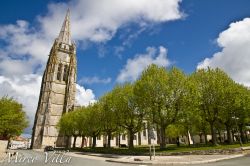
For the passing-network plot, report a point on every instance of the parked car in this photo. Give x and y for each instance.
(48, 148)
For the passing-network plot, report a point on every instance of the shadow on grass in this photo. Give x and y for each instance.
(144, 150)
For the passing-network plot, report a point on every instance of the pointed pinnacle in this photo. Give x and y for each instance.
(65, 36)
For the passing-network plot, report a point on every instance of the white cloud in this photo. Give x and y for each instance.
(84, 96)
(128, 39)
(134, 67)
(92, 20)
(98, 20)
(25, 89)
(25, 49)
(14, 67)
(234, 58)
(26, 46)
(22, 39)
(94, 80)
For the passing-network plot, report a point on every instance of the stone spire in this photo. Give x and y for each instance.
(57, 93)
(65, 36)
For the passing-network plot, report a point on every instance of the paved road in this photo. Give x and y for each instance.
(41, 157)
(241, 161)
(75, 161)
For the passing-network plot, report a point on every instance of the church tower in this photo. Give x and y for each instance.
(57, 94)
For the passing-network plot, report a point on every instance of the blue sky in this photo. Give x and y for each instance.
(198, 30)
(188, 40)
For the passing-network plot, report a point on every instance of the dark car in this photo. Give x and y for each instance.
(48, 148)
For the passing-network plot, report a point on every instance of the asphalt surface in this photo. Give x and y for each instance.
(39, 159)
(52, 160)
(241, 161)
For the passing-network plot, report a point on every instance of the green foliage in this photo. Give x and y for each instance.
(171, 149)
(216, 97)
(108, 115)
(162, 95)
(130, 116)
(84, 121)
(175, 130)
(68, 124)
(93, 121)
(173, 103)
(13, 119)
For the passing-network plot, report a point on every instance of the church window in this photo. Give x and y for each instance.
(65, 73)
(59, 72)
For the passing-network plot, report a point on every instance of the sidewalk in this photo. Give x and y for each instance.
(3, 155)
(158, 160)
(95, 156)
(172, 160)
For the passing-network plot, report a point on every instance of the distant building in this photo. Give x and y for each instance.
(57, 93)
(145, 137)
(20, 143)
(3, 147)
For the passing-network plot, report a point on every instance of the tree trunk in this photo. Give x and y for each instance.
(242, 134)
(233, 135)
(8, 144)
(246, 136)
(94, 141)
(205, 136)
(74, 143)
(213, 132)
(220, 137)
(148, 128)
(178, 141)
(162, 137)
(119, 140)
(229, 135)
(109, 139)
(158, 135)
(68, 142)
(200, 138)
(131, 139)
(139, 138)
(83, 141)
(188, 139)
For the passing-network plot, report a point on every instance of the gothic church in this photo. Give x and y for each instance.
(57, 94)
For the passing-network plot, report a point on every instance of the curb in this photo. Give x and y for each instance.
(176, 163)
(129, 162)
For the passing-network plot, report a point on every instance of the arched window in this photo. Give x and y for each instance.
(65, 73)
(59, 72)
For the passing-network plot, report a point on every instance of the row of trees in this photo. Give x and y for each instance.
(206, 102)
(13, 119)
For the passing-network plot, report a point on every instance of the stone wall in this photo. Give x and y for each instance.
(3, 146)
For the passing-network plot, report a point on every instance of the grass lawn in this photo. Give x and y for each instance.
(144, 150)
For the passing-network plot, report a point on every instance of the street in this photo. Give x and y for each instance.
(52, 160)
(34, 158)
(241, 161)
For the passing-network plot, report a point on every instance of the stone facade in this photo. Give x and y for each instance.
(57, 93)
(141, 138)
(3, 146)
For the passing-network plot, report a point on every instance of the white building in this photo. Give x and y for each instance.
(145, 137)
